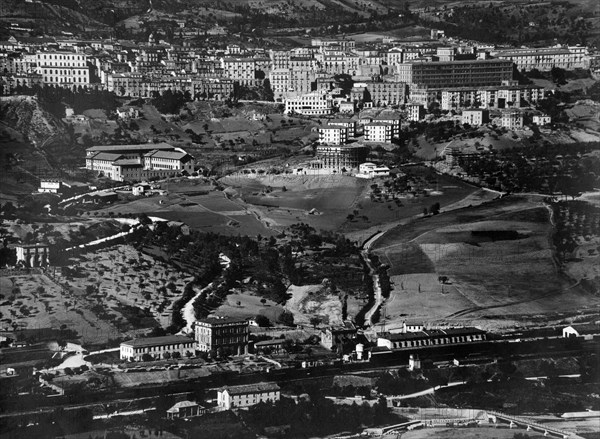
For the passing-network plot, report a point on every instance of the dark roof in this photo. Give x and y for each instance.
(223, 321)
(157, 341)
(138, 147)
(250, 388)
(269, 342)
(106, 156)
(429, 333)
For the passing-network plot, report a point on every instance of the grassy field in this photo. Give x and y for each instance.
(198, 208)
(497, 257)
(335, 196)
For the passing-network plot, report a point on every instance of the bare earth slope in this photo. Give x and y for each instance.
(499, 261)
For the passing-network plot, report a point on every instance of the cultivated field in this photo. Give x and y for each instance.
(498, 260)
(118, 292)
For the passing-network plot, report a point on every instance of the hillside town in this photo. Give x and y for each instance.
(212, 228)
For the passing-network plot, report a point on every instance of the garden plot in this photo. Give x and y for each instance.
(34, 301)
(126, 288)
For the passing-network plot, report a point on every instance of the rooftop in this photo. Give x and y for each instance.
(138, 147)
(250, 388)
(157, 341)
(222, 321)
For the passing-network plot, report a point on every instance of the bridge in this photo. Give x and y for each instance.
(515, 421)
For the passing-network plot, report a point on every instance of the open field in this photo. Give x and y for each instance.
(469, 433)
(498, 259)
(198, 208)
(333, 197)
(245, 305)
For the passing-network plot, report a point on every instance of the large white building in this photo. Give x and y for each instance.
(545, 58)
(247, 395)
(138, 162)
(310, 104)
(64, 69)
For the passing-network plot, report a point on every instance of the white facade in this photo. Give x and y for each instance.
(333, 135)
(474, 117)
(415, 112)
(156, 347)
(512, 120)
(311, 104)
(63, 69)
(379, 132)
(247, 395)
(542, 119)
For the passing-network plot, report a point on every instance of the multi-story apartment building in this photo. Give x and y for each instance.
(390, 119)
(64, 69)
(333, 135)
(338, 43)
(347, 123)
(471, 73)
(383, 93)
(241, 70)
(280, 59)
(341, 157)
(489, 97)
(415, 112)
(475, 117)
(336, 63)
(156, 347)
(280, 82)
(379, 132)
(231, 397)
(310, 104)
(545, 58)
(222, 333)
(512, 119)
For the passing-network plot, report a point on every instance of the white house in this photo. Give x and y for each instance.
(475, 117)
(542, 119)
(185, 409)
(371, 170)
(247, 395)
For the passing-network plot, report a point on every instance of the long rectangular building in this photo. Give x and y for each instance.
(156, 347)
(471, 73)
(138, 162)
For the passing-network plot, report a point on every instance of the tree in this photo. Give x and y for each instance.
(147, 357)
(167, 355)
(315, 321)
(262, 321)
(286, 318)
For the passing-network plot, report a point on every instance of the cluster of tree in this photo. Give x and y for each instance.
(54, 99)
(262, 92)
(494, 24)
(316, 416)
(170, 102)
(537, 168)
